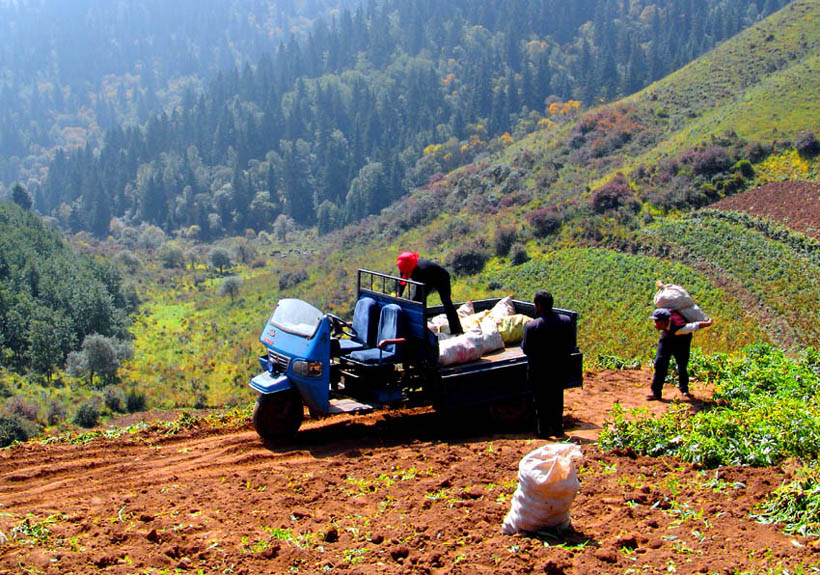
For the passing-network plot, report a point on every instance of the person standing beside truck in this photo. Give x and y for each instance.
(675, 341)
(549, 340)
(435, 278)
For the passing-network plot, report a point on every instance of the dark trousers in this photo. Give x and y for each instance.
(548, 399)
(450, 310)
(676, 346)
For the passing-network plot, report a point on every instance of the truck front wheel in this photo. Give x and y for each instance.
(278, 415)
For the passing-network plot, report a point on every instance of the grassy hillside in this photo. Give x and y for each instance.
(761, 84)
(613, 292)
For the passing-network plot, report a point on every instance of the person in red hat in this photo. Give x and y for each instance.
(435, 278)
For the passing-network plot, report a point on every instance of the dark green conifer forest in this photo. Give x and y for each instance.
(371, 101)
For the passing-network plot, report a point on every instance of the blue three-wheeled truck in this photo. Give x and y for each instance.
(385, 356)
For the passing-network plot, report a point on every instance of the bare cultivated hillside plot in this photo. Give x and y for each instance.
(391, 492)
(795, 204)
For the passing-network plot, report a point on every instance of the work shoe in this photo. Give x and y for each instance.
(653, 397)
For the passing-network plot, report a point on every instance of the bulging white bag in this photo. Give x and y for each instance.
(672, 296)
(547, 485)
(693, 313)
(491, 339)
(505, 307)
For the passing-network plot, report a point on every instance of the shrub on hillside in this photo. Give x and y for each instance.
(745, 168)
(88, 414)
(503, 240)
(468, 259)
(292, 279)
(151, 237)
(171, 256)
(134, 401)
(12, 428)
(129, 260)
(114, 398)
(55, 412)
(544, 221)
(519, 255)
(19, 407)
(612, 195)
(756, 152)
(712, 160)
(807, 145)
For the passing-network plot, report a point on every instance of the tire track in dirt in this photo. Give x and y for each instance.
(126, 463)
(103, 466)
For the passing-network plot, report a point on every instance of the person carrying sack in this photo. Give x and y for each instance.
(675, 341)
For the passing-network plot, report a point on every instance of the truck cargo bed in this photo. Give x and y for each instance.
(506, 356)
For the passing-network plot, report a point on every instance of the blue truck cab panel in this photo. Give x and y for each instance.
(297, 340)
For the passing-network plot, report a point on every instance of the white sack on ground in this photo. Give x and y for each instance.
(547, 485)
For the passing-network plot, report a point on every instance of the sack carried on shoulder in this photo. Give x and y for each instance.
(673, 296)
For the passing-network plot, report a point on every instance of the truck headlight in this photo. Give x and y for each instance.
(307, 368)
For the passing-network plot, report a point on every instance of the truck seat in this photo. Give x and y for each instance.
(390, 327)
(365, 324)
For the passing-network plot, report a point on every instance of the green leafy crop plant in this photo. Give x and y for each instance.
(796, 504)
(766, 411)
(758, 420)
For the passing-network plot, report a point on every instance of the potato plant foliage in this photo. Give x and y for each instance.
(765, 411)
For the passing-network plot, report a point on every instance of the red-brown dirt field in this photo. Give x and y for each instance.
(397, 491)
(795, 204)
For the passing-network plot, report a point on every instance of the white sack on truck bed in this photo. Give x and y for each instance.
(470, 345)
(470, 319)
(440, 324)
(672, 296)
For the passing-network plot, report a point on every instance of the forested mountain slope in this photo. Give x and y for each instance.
(375, 102)
(51, 297)
(69, 71)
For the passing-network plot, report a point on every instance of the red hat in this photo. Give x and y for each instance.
(407, 262)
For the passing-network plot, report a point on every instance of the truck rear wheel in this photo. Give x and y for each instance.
(511, 413)
(278, 415)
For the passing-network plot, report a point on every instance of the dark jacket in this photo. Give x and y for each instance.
(677, 322)
(548, 342)
(432, 275)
